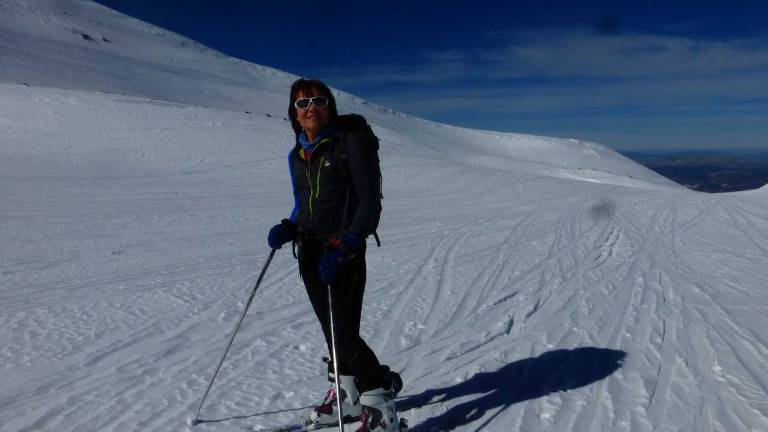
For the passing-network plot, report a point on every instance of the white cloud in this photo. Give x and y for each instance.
(637, 79)
(585, 54)
(575, 69)
(575, 54)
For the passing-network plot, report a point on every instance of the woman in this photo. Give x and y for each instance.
(337, 204)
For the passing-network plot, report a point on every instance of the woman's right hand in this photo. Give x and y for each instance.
(281, 234)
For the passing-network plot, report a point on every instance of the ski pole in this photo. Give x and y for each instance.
(335, 358)
(196, 419)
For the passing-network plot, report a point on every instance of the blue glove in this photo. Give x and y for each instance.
(341, 250)
(281, 234)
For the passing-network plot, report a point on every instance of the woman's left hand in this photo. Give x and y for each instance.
(340, 251)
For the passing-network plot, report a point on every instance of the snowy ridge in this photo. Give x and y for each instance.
(84, 46)
(525, 283)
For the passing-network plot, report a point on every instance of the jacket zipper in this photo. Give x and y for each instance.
(312, 191)
(317, 192)
(309, 180)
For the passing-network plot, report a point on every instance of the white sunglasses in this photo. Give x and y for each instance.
(304, 103)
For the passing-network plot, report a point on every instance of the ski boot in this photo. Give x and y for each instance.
(379, 409)
(380, 412)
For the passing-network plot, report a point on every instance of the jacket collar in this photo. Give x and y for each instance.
(311, 146)
(320, 143)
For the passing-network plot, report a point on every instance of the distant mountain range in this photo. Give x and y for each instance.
(709, 171)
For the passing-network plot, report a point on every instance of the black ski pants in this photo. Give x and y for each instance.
(355, 356)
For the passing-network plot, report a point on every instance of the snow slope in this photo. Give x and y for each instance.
(525, 283)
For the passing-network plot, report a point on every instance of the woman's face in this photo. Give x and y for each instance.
(312, 119)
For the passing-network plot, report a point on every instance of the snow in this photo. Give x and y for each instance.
(524, 283)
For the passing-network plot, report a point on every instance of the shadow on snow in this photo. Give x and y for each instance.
(523, 380)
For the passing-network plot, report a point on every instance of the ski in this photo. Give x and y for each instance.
(300, 427)
(293, 428)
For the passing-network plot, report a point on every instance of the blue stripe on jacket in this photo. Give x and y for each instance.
(295, 212)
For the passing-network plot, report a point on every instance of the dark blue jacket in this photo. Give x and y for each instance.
(335, 196)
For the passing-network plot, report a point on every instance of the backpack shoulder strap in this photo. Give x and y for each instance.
(340, 152)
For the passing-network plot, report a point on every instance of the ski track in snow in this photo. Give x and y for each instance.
(465, 294)
(524, 283)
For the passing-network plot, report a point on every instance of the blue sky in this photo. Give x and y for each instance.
(636, 75)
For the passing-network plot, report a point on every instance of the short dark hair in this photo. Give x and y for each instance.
(309, 88)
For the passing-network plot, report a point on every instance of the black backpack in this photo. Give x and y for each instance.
(356, 124)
